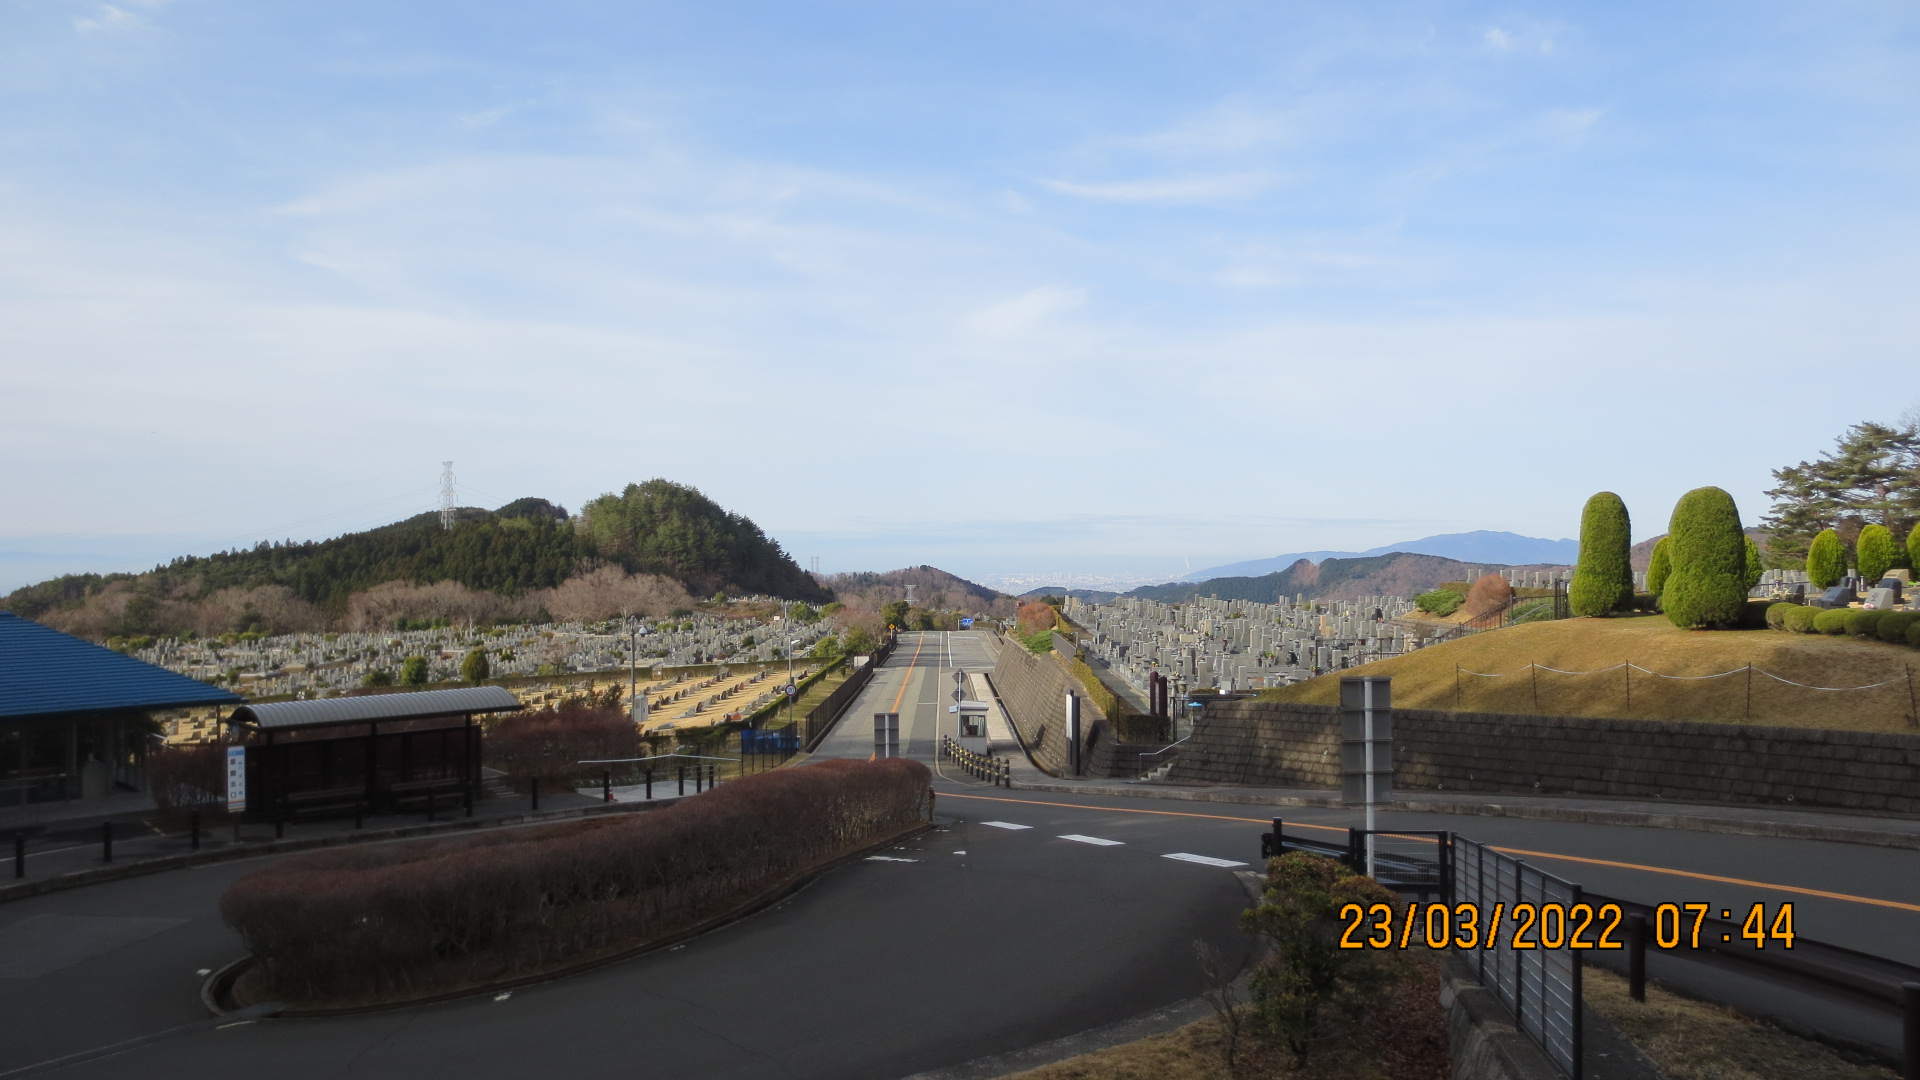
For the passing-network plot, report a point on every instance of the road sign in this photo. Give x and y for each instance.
(886, 734)
(236, 779)
(965, 623)
(959, 694)
(959, 676)
(790, 690)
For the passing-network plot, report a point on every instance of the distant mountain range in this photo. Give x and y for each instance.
(1398, 573)
(1481, 546)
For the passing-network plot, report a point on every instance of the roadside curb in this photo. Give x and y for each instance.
(121, 871)
(216, 991)
(1690, 820)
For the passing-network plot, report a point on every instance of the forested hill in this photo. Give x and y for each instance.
(1398, 574)
(655, 528)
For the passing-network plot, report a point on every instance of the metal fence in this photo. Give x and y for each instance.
(1540, 985)
(819, 720)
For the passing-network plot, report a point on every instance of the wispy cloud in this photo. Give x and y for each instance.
(1173, 189)
(1538, 40)
(108, 19)
(1020, 315)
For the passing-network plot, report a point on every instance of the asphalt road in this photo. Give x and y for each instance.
(1029, 917)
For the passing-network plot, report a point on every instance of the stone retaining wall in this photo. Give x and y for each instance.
(1281, 744)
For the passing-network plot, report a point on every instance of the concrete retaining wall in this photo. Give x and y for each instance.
(1287, 745)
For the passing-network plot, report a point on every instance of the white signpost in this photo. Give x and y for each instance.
(236, 779)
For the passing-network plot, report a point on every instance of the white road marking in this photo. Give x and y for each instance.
(888, 858)
(959, 853)
(1005, 825)
(1095, 840)
(1203, 860)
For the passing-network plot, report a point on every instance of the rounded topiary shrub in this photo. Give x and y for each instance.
(1659, 566)
(1826, 560)
(1800, 619)
(1875, 551)
(1894, 624)
(1777, 614)
(1708, 587)
(1603, 575)
(1864, 623)
(1831, 621)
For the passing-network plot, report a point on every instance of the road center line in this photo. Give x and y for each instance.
(1668, 871)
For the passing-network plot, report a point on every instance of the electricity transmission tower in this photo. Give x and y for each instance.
(446, 495)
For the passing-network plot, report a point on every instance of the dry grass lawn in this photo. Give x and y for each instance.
(1693, 1040)
(1427, 679)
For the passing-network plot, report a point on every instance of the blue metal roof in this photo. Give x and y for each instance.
(44, 672)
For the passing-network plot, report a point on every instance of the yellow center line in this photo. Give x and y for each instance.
(1668, 871)
(908, 676)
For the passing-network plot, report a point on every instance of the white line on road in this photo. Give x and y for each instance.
(1095, 840)
(1005, 825)
(1203, 860)
(888, 858)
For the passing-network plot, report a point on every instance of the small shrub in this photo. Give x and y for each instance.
(1826, 560)
(1707, 590)
(1913, 635)
(1831, 621)
(1800, 620)
(1660, 566)
(1874, 548)
(1894, 624)
(1441, 602)
(1864, 623)
(1540, 610)
(551, 743)
(1603, 575)
(1487, 593)
(1777, 614)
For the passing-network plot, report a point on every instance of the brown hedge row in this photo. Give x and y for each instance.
(407, 920)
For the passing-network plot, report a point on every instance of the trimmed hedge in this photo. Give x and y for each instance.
(1659, 566)
(1875, 552)
(1707, 590)
(1826, 560)
(1831, 621)
(1800, 620)
(401, 921)
(1603, 574)
(1441, 602)
(1864, 623)
(1777, 614)
(1913, 635)
(1894, 624)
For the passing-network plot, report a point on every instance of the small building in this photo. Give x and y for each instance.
(377, 751)
(74, 723)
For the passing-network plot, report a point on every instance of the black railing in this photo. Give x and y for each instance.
(993, 770)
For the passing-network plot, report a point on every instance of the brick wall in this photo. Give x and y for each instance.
(1287, 745)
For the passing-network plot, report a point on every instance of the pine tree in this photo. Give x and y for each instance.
(1707, 588)
(1603, 577)
(1874, 549)
(1826, 560)
(1660, 566)
(1755, 566)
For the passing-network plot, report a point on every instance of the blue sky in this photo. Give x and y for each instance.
(1005, 288)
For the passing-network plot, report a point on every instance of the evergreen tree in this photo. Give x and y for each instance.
(1874, 548)
(1913, 548)
(1660, 566)
(475, 668)
(1755, 567)
(1603, 577)
(1707, 588)
(1873, 474)
(1826, 560)
(414, 671)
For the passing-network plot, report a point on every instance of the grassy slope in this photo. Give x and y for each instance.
(1425, 679)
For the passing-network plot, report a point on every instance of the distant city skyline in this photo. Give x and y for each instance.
(1059, 287)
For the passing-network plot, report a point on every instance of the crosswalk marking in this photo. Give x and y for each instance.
(1005, 825)
(1203, 860)
(1095, 840)
(888, 858)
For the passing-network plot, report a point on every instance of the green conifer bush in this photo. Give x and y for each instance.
(1659, 566)
(1875, 551)
(1777, 614)
(1800, 620)
(1754, 566)
(1707, 588)
(1831, 621)
(1894, 625)
(1603, 576)
(1826, 560)
(1863, 623)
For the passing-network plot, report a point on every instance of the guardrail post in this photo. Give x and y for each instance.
(649, 776)
(606, 785)
(1637, 957)
(1910, 1005)
(193, 829)
(683, 778)
(431, 805)
(535, 789)
(106, 841)
(359, 813)
(467, 799)
(19, 855)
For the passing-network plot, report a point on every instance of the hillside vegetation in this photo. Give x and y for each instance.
(657, 544)
(1396, 574)
(1427, 679)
